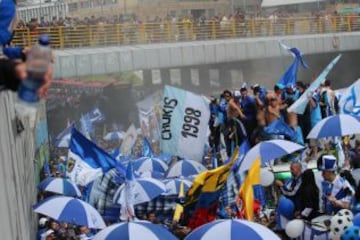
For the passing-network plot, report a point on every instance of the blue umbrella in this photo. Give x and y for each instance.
(336, 126)
(232, 230)
(141, 190)
(149, 164)
(267, 151)
(60, 185)
(173, 186)
(152, 174)
(134, 231)
(70, 210)
(185, 168)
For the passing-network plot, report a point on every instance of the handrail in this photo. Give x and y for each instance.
(130, 33)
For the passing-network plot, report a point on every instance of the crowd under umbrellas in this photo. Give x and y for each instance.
(151, 178)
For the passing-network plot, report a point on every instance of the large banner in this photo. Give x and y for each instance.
(184, 123)
(350, 100)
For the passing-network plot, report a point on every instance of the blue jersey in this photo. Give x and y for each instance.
(340, 189)
(315, 113)
(249, 107)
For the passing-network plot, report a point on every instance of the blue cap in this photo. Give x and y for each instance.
(280, 86)
(44, 40)
(328, 163)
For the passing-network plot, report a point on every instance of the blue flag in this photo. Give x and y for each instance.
(279, 127)
(290, 76)
(86, 161)
(116, 153)
(300, 105)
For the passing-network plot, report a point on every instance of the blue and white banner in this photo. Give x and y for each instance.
(300, 105)
(86, 161)
(184, 123)
(350, 100)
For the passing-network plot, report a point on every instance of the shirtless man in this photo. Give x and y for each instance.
(273, 109)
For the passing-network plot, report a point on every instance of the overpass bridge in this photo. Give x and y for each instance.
(107, 60)
(113, 48)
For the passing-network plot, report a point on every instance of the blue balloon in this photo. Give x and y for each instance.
(356, 220)
(286, 207)
(351, 233)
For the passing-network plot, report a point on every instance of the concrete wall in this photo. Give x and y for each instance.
(106, 60)
(17, 188)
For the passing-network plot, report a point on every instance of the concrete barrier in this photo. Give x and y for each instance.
(17, 159)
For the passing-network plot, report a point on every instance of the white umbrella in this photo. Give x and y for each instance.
(60, 185)
(142, 190)
(70, 210)
(134, 231)
(173, 185)
(232, 230)
(185, 168)
(267, 151)
(336, 126)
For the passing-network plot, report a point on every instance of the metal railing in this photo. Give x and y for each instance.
(165, 32)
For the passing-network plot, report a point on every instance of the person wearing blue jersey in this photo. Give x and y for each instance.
(248, 106)
(337, 193)
(315, 117)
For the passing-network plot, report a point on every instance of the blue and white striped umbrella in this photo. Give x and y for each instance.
(60, 185)
(142, 190)
(173, 186)
(191, 177)
(113, 136)
(267, 151)
(336, 126)
(232, 230)
(149, 164)
(185, 168)
(70, 210)
(152, 174)
(134, 231)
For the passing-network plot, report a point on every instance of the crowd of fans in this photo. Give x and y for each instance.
(135, 29)
(236, 116)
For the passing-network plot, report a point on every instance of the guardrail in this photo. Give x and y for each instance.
(166, 32)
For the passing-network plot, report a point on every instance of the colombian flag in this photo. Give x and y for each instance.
(202, 198)
(246, 192)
